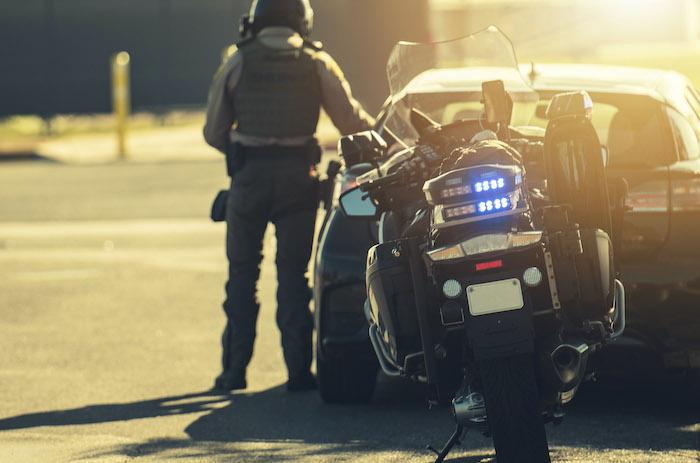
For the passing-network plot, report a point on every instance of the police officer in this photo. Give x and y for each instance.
(263, 111)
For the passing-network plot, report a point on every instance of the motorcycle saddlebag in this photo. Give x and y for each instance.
(391, 298)
(594, 274)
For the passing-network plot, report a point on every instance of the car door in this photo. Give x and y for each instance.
(641, 151)
(641, 227)
(682, 250)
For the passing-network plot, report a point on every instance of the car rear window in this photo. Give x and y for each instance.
(693, 99)
(449, 107)
(685, 135)
(630, 127)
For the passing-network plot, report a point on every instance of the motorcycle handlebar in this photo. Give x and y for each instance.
(382, 181)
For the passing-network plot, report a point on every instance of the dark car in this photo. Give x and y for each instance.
(649, 124)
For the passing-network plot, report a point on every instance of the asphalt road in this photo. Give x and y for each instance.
(111, 280)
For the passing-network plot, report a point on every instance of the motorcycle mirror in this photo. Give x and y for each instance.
(362, 147)
(497, 102)
(422, 122)
(356, 203)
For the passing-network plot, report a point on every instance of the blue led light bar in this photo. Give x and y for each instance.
(492, 205)
(488, 185)
(473, 184)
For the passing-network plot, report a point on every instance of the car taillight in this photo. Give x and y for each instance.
(648, 197)
(653, 196)
(685, 195)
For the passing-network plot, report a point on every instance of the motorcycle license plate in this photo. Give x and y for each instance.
(495, 296)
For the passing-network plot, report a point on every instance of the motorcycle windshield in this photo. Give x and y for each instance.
(444, 80)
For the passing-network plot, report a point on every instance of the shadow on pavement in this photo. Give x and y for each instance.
(644, 419)
(664, 416)
(13, 156)
(105, 413)
(396, 421)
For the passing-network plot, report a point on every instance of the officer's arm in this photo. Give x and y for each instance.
(345, 112)
(220, 112)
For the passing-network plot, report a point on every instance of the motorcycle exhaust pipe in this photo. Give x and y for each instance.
(469, 408)
(570, 361)
(562, 369)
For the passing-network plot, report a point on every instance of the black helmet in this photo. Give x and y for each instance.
(295, 14)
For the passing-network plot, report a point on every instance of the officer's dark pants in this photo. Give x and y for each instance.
(273, 186)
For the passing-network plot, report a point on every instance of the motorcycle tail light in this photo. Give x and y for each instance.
(490, 265)
(483, 244)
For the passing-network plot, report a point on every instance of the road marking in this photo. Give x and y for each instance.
(58, 275)
(80, 229)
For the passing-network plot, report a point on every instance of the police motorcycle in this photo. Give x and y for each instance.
(494, 277)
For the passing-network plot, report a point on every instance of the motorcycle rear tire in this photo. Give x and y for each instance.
(512, 405)
(345, 379)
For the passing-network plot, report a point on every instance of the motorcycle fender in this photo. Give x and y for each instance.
(501, 334)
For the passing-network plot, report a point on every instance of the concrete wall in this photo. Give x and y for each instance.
(55, 53)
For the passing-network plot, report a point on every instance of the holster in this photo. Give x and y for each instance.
(218, 207)
(235, 158)
(314, 152)
(325, 187)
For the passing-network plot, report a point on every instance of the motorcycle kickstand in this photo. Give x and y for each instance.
(451, 442)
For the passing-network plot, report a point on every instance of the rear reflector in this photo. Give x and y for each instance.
(490, 265)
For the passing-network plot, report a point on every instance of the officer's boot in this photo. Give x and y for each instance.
(232, 378)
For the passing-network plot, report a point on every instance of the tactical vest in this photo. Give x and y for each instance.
(279, 93)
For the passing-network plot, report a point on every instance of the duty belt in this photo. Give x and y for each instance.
(274, 151)
(238, 154)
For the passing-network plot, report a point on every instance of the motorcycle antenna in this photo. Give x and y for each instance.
(532, 75)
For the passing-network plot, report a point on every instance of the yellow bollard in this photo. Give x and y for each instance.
(121, 98)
